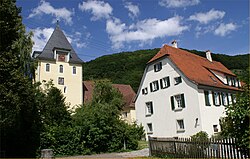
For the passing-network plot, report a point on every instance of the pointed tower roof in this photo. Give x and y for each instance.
(58, 41)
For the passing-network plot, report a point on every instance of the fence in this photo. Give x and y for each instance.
(188, 148)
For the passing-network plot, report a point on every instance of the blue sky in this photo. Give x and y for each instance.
(96, 28)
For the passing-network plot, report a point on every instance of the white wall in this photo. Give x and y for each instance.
(164, 118)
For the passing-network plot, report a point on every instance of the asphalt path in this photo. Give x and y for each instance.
(131, 154)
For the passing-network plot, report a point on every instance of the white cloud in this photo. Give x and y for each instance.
(178, 3)
(99, 9)
(41, 37)
(133, 10)
(225, 29)
(143, 31)
(60, 13)
(207, 17)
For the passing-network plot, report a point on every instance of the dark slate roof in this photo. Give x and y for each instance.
(36, 53)
(58, 40)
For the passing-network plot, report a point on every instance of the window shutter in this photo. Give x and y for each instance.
(172, 102)
(152, 111)
(157, 85)
(213, 98)
(227, 81)
(160, 66)
(155, 68)
(222, 98)
(182, 101)
(227, 99)
(219, 95)
(168, 81)
(151, 87)
(206, 93)
(179, 79)
(161, 83)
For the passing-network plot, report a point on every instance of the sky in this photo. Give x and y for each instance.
(96, 28)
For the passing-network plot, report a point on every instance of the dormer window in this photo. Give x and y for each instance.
(158, 67)
(62, 55)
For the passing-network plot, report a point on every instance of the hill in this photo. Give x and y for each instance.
(128, 67)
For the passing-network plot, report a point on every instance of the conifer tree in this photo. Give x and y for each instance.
(19, 118)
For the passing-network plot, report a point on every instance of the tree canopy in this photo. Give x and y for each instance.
(128, 67)
(19, 119)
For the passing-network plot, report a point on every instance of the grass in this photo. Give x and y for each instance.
(142, 144)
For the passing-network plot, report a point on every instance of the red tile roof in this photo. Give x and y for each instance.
(126, 90)
(195, 68)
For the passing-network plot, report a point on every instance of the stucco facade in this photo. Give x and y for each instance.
(72, 86)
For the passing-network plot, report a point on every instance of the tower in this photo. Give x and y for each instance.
(59, 62)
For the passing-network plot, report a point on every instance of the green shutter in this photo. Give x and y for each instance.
(172, 102)
(182, 101)
(222, 98)
(168, 81)
(180, 80)
(161, 83)
(152, 110)
(206, 93)
(227, 99)
(219, 95)
(213, 98)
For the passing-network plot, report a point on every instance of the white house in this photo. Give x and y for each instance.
(182, 93)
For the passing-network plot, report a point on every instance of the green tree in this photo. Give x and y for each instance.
(19, 119)
(99, 122)
(236, 124)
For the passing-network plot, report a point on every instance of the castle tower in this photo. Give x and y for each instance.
(59, 62)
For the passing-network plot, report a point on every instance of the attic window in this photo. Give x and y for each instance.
(213, 79)
(158, 67)
(61, 55)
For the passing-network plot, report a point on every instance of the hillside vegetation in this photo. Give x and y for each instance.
(128, 67)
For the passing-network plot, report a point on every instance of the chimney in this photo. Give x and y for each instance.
(208, 55)
(174, 44)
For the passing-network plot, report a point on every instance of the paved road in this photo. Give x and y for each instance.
(138, 153)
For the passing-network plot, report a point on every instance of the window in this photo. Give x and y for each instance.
(207, 100)
(149, 108)
(224, 99)
(61, 68)
(177, 80)
(124, 114)
(154, 86)
(47, 67)
(64, 89)
(233, 96)
(180, 125)
(74, 70)
(61, 57)
(158, 67)
(149, 128)
(215, 128)
(145, 91)
(216, 98)
(61, 80)
(177, 102)
(165, 82)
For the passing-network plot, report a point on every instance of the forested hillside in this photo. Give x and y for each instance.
(128, 67)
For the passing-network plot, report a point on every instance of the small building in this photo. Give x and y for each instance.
(181, 94)
(128, 111)
(59, 62)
